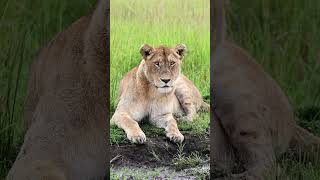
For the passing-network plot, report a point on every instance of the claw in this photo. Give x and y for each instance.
(176, 137)
(137, 137)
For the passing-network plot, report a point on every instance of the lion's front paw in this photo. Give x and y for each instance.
(175, 136)
(137, 137)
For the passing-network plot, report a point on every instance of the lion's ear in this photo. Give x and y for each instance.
(181, 49)
(145, 51)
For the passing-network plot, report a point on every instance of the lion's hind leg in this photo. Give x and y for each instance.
(187, 104)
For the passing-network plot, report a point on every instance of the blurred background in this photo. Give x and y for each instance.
(283, 36)
(25, 27)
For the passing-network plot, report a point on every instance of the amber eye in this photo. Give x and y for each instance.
(157, 64)
(172, 63)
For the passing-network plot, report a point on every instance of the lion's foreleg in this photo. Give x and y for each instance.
(168, 123)
(130, 126)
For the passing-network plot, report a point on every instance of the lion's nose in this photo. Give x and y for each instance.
(165, 80)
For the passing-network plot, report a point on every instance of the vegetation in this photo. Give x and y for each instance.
(183, 161)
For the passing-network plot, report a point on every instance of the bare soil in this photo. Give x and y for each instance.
(157, 151)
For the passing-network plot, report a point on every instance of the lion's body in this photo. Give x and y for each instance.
(254, 121)
(65, 112)
(141, 98)
(151, 103)
(253, 111)
(141, 103)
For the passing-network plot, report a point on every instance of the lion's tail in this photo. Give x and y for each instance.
(305, 144)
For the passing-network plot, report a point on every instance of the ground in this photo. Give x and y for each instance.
(189, 159)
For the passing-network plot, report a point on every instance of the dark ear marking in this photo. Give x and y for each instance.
(181, 49)
(146, 51)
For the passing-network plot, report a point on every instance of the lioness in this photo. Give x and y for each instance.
(156, 89)
(254, 121)
(66, 109)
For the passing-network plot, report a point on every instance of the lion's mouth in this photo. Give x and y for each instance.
(163, 87)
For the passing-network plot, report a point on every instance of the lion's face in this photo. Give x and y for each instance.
(162, 65)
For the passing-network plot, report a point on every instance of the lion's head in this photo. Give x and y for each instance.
(161, 65)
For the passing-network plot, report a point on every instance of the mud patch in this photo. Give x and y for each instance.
(162, 158)
(158, 151)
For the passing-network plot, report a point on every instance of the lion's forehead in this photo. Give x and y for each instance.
(164, 54)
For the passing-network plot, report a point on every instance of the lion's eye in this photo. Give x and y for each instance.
(157, 64)
(172, 63)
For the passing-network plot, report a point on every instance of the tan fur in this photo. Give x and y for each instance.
(66, 107)
(143, 94)
(254, 122)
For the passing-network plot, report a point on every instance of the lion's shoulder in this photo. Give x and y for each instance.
(127, 78)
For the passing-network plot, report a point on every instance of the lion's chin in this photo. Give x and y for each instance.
(165, 89)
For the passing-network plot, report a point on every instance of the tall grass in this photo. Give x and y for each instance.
(25, 27)
(284, 37)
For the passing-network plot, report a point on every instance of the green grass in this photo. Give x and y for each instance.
(284, 37)
(182, 161)
(166, 22)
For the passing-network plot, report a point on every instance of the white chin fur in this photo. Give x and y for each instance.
(165, 90)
